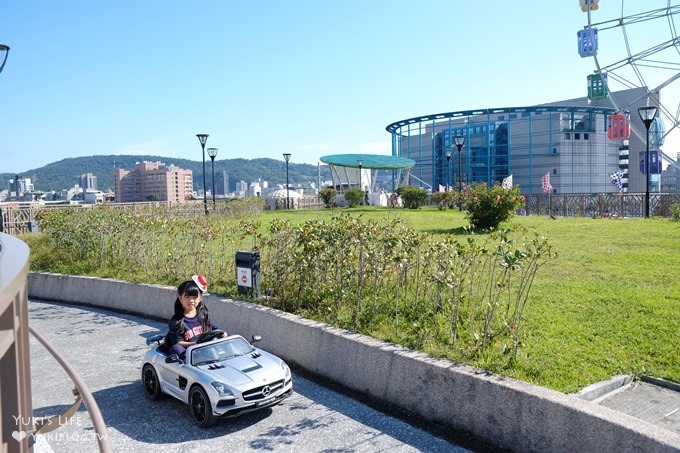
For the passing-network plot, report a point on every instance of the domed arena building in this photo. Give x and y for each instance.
(579, 143)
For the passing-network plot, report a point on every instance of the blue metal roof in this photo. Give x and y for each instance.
(373, 161)
(391, 128)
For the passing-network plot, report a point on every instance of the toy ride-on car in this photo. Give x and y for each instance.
(219, 377)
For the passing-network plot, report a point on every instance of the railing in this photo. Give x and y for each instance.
(599, 205)
(22, 219)
(19, 428)
(15, 375)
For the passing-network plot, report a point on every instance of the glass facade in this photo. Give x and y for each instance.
(569, 142)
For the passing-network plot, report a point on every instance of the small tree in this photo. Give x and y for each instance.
(354, 197)
(328, 195)
(414, 197)
(487, 207)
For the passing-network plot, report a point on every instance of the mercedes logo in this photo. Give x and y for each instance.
(266, 390)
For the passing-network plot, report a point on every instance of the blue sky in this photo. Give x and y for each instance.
(310, 78)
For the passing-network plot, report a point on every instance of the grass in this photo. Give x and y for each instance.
(607, 305)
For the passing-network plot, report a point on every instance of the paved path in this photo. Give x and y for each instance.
(107, 348)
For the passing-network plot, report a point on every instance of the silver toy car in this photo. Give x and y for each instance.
(222, 377)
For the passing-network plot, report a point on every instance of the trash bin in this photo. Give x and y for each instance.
(248, 273)
(33, 227)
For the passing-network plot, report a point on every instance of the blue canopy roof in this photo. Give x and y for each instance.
(373, 161)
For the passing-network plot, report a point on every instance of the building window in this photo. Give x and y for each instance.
(577, 136)
(586, 136)
(567, 136)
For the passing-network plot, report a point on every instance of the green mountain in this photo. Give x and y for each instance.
(65, 173)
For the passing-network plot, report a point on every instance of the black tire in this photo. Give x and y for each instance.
(201, 408)
(150, 382)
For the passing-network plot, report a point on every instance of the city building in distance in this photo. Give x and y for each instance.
(153, 181)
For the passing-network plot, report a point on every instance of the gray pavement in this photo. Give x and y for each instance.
(646, 401)
(107, 348)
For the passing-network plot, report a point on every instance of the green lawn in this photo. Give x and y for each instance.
(608, 304)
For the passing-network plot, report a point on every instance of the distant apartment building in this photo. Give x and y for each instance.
(18, 186)
(153, 181)
(88, 181)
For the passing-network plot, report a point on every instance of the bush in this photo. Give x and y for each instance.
(414, 197)
(487, 207)
(445, 199)
(675, 212)
(354, 197)
(328, 195)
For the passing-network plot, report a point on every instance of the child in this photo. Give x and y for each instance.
(191, 316)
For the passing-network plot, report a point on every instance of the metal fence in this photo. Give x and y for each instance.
(22, 219)
(599, 205)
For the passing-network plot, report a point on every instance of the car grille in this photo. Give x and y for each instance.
(257, 394)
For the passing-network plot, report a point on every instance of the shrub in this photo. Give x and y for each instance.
(414, 197)
(445, 199)
(328, 195)
(675, 212)
(487, 207)
(354, 197)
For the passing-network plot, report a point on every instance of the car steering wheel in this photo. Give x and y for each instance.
(209, 336)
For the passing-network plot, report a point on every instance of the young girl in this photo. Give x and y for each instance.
(191, 316)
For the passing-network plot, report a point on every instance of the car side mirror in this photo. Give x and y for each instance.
(173, 358)
(256, 338)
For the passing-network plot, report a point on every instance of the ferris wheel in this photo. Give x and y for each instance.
(635, 44)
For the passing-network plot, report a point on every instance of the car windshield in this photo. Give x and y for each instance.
(223, 350)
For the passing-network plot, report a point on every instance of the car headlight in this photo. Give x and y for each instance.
(222, 389)
(286, 370)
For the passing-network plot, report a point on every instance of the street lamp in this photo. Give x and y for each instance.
(4, 50)
(203, 138)
(448, 168)
(212, 152)
(459, 141)
(647, 115)
(287, 157)
(360, 163)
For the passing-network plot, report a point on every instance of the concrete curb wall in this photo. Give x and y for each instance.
(505, 412)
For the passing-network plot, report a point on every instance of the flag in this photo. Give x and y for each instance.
(545, 183)
(507, 183)
(617, 179)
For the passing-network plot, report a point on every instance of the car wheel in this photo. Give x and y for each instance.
(200, 407)
(152, 387)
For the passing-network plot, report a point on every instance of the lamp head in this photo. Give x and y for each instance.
(202, 138)
(360, 163)
(212, 152)
(4, 50)
(286, 156)
(647, 114)
(459, 141)
(448, 154)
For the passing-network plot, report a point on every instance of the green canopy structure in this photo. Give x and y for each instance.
(361, 170)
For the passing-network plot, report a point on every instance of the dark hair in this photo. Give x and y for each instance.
(189, 288)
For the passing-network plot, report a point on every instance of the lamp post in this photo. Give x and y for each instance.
(203, 138)
(448, 168)
(459, 141)
(287, 157)
(647, 115)
(4, 50)
(212, 152)
(360, 163)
